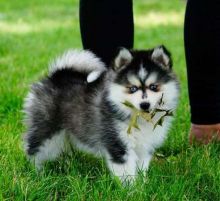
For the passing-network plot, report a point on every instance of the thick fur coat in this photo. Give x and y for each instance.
(80, 104)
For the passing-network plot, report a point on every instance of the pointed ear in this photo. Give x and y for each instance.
(162, 57)
(123, 58)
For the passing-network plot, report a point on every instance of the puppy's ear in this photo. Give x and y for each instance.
(123, 58)
(161, 56)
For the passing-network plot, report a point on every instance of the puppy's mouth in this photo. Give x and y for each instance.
(146, 111)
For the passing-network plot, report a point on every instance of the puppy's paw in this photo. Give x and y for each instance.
(125, 171)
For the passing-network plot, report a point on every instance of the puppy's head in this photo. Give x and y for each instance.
(144, 78)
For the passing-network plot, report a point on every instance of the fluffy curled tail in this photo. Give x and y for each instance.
(83, 61)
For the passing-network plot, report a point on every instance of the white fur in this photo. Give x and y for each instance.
(134, 80)
(61, 142)
(159, 52)
(144, 141)
(142, 73)
(51, 149)
(80, 61)
(124, 57)
(93, 76)
(117, 95)
(28, 101)
(151, 79)
(170, 95)
(126, 171)
(31, 100)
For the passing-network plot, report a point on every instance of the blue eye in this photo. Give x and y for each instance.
(153, 87)
(133, 89)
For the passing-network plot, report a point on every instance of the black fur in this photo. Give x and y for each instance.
(69, 94)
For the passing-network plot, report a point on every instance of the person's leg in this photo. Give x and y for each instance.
(106, 25)
(202, 48)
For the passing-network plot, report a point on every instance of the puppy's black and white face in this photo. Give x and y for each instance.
(143, 77)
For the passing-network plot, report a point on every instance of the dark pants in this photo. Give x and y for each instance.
(108, 24)
(202, 48)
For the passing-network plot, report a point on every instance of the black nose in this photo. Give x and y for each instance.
(144, 106)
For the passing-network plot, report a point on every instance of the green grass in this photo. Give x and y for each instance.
(34, 32)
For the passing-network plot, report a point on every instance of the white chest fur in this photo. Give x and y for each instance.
(147, 138)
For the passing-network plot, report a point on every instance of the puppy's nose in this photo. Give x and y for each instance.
(145, 106)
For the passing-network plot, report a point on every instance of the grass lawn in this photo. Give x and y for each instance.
(34, 32)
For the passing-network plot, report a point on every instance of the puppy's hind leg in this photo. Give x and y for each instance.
(49, 150)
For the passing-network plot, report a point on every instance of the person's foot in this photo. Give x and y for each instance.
(204, 134)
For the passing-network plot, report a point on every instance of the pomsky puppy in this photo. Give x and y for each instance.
(80, 104)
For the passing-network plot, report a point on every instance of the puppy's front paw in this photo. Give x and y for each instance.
(125, 171)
